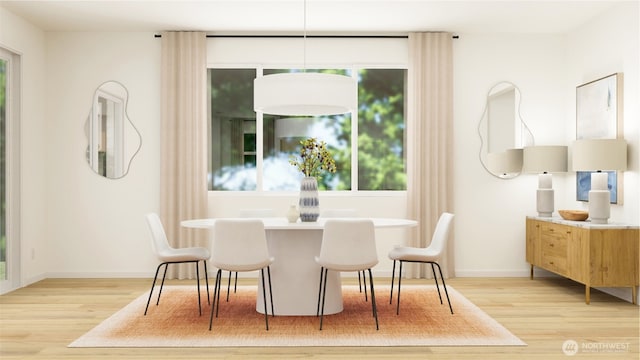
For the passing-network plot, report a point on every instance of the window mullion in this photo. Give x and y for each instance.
(259, 144)
(354, 140)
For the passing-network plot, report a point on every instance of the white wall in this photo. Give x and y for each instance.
(490, 220)
(28, 41)
(95, 226)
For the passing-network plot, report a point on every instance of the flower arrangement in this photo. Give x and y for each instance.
(314, 158)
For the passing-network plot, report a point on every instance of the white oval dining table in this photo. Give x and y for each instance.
(295, 275)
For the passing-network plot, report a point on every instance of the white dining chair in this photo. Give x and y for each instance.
(169, 255)
(240, 245)
(340, 214)
(430, 255)
(347, 245)
(248, 213)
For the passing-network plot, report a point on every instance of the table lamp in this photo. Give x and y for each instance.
(599, 155)
(544, 160)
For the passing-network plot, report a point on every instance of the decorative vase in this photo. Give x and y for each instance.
(309, 202)
(293, 214)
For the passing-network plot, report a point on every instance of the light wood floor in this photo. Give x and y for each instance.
(39, 321)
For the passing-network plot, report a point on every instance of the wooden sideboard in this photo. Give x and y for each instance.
(594, 255)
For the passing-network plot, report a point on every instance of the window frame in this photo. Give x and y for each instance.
(259, 134)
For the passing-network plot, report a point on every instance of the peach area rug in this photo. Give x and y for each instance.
(423, 321)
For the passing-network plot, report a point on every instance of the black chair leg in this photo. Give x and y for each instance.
(151, 291)
(235, 284)
(319, 291)
(273, 314)
(435, 278)
(445, 287)
(399, 286)
(374, 307)
(359, 282)
(198, 285)
(206, 279)
(216, 297)
(264, 299)
(164, 275)
(229, 286)
(364, 281)
(393, 274)
(324, 293)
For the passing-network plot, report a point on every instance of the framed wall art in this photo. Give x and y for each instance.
(599, 116)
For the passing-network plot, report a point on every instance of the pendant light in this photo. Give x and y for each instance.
(305, 93)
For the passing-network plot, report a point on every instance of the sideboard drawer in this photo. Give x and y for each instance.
(554, 246)
(557, 264)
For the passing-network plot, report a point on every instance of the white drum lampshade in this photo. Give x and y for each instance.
(305, 93)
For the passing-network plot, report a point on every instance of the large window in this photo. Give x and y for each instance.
(250, 151)
(9, 171)
(3, 162)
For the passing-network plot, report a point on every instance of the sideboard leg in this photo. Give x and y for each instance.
(531, 273)
(634, 295)
(587, 294)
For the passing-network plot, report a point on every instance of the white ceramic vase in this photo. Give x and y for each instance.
(309, 203)
(293, 214)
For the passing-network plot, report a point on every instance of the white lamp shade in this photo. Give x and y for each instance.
(599, 154)
(541, 159)
(311, 93)
(506, 162)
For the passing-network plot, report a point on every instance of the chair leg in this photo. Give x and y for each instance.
(359, 282)
(393, 273)
(216, 297)
(229, 285)
(324, 293)
(374, 307)
(164, 275)
(445, 287)
(235, 284)
(198, 285)
(152, 286)
(364, 281)
(319, 290)
(273, 314)
(206, 280)
(264, 299)
(399, 285)
(435, 278)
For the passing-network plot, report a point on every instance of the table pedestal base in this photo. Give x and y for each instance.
(295, 276)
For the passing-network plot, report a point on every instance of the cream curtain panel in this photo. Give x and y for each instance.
(183, 129)
(430, 141)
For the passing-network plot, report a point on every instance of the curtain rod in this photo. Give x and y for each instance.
(313, 36)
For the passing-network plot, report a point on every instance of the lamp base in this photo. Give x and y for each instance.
(599, 206)
(544, 202)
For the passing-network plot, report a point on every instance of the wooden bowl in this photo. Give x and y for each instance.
(574, 215)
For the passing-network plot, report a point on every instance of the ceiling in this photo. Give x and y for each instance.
(375, 17)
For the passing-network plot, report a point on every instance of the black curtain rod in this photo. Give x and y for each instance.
(313, 36)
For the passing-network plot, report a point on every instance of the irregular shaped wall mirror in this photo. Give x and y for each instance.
(503, 132)
(113, 139)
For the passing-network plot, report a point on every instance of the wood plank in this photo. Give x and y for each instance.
(39, 321)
